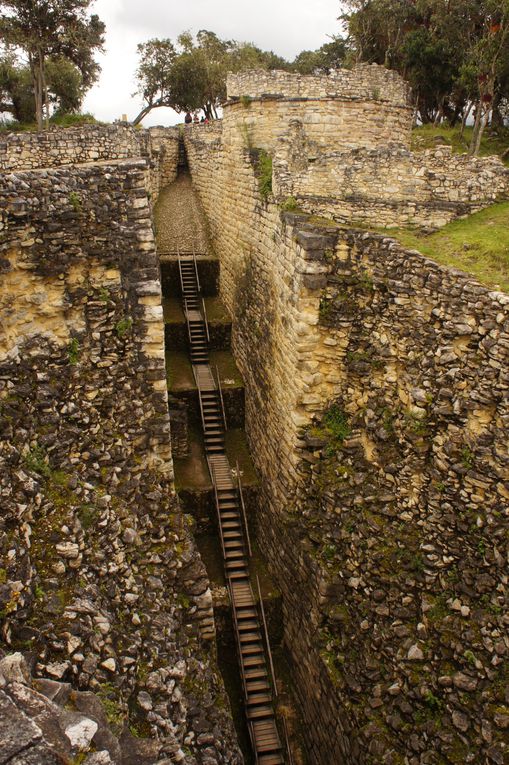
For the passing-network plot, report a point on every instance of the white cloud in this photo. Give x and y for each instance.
(284, 26)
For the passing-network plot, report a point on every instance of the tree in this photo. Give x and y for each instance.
(154, 75)
(64, 85)
(455, 53)
(191, 73)
(52, 29)
(331, 55)
(489, 56)
(16, 96)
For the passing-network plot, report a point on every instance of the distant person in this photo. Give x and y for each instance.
(188, 119)
(202, 119)
(196, 119)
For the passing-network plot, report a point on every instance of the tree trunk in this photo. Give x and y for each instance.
(36, 81)
(44, 91)
(476, 135)
(497, 119)
(466, 115)
(143, 113)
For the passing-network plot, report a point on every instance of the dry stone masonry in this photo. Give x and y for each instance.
(376, 406)
(101, 585)
(340, 149)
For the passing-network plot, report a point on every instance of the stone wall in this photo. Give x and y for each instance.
(101, 584)
(92, 144)
(368, 106)
(376, 409)
(161, 146)
(269, 282)
(404, 513)
(265, 270)
(340, 149)
(391, 186)
(69, 146)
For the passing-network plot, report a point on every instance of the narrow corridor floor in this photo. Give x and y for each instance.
(179, 219)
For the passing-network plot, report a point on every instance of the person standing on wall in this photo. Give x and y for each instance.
(188, 119)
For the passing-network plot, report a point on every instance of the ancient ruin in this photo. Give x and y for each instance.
(212, 353)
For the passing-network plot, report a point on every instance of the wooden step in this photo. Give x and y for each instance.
(253, 661)
(257, 685)
(256, 713)
(259, 698)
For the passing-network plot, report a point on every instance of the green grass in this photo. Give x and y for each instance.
(429, 137)
(478, 245)
(216, 311)
(264, 173)
(59, 120)
(179, 372)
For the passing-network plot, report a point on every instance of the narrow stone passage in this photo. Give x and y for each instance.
(252, 641)
(215, 477)
(179, 220)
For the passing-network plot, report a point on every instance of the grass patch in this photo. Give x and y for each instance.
(478, 245)
(58, 120)
(216, 311)
(263, 169)
(333, 429)
(123, 326)
(179, 372)
(237, 451)
(429, 137)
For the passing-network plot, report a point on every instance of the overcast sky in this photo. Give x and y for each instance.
(284, 26)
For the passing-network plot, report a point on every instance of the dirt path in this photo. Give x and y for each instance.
(179, 219)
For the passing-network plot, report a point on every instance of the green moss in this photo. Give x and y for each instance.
(318, 220)
(237, 450)
(88, 515)
(467, 458)
(289, 205)
(179, 372)
(36, 460)
(110, 699)
(73, 351)
(325, 309)
(216, 311)
(75, 201)
(183, 601)
(417, 425)
(123, 326)
(333, 429)
(228, 372)
(246, 101)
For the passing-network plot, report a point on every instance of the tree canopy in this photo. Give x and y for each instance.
(455, 54)
(190, 73)
(59, 39)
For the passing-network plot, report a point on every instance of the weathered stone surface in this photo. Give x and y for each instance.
(101, 578)
(385, 528)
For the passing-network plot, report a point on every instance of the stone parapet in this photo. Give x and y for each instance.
(367, 82)
(92, 144)
(67, 146)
